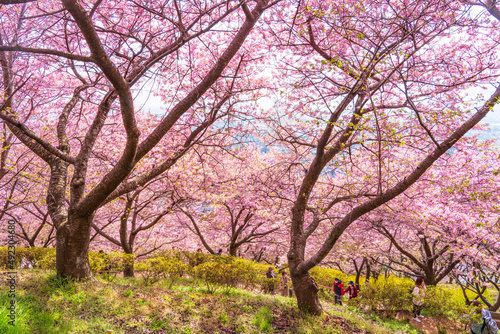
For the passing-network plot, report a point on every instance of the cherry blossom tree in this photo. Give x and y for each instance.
(22, 193)
(87, 57)
(372, 95)
(229, 207)
(446, 214)
(141, 222)
(480, 271)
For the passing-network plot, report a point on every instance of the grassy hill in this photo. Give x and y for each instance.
(46, 304)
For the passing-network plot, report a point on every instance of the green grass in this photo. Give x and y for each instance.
(263, 320)
(47, 304)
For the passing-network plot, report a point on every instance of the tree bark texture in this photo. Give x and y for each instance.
(306, 291)
(128, 271)
(72, 248)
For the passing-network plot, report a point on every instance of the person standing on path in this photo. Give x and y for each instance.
(270, 282)
(418, 298)
(285, 284)
(352, 290)
(338, 290)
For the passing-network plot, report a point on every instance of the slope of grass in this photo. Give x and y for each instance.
(46, 304)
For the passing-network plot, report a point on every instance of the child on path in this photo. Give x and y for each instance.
(352, 290)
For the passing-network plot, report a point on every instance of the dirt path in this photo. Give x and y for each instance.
(432, 324)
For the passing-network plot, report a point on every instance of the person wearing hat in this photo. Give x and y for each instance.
(270, 273)
(352, 290)
(338, 290)
(270, 283)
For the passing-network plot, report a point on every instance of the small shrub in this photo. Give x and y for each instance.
(228, 272)
(270, 285)
(113, 261)
(250, 274)
(48, 260)
(439, 301)
(325, 276)
(210, 272)
(385, 294)
(33, 254)
(194, 259)
(157, 268)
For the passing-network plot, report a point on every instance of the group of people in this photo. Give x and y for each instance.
(418, 292)
(285, 287)
(481, 324)
(339, 291)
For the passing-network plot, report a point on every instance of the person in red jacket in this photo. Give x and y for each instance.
(338, 290)
(352, 290)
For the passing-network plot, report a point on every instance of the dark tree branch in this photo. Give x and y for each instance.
(19, 48)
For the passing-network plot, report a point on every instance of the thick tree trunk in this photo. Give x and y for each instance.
(128, 270)
(233, 250)
(72, 231)
(306, 291)
(430, 274)
(429, 281)
(72, 248)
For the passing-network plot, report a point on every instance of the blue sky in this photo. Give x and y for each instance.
(147, 101)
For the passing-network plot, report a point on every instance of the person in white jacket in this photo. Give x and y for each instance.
(418, 298)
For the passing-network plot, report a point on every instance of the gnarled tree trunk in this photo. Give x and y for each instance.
(304, 286)
(306, 291)
(73, 239)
